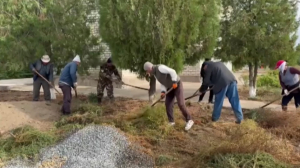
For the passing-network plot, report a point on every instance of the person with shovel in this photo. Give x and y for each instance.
(168, 79)
(67, 81)
(105, 80)
(44, 68)
(211, 92)
(289, 81)
(224, 84)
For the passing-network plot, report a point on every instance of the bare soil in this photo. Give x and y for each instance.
(17, 110)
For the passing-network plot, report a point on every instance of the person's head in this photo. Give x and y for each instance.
(148, 67)
(45, 59)
(281, 65)
(207, 59)
(77, 59)
(109, 61)
(204, 65)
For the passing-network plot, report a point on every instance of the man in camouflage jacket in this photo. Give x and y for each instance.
(105, 80)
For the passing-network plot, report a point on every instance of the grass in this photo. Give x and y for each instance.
(258, 142)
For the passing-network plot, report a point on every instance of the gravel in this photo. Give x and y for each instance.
(91, 147)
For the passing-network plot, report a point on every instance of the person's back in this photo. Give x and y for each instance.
(221, 76)
(66, 74)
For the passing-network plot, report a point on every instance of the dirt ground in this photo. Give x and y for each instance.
(17, 110)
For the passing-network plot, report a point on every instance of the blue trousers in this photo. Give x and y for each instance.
(231, 92)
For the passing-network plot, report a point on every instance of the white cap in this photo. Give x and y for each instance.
(77, 59)
(148, 66)
(45, 58)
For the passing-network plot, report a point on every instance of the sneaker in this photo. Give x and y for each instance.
(171, 123)
(189, 125)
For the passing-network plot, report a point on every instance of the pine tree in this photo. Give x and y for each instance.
(171, 32)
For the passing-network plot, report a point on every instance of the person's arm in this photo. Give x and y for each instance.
(202, 72)
(166, 70)
(281, 83)
(206, 80)
(152, 88)
(73, 70)
(294, 71)
(116, 72)
(32, 66)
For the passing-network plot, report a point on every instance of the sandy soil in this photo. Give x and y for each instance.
(17, 110)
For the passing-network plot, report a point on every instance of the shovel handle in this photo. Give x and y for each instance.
(46, 81)
(161, 97)
(278, 98)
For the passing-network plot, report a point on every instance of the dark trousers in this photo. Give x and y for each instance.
(211, 95)
(286, 99)
(36, 89)
(67, 92)
(170, 98)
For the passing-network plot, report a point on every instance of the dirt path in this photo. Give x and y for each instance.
(16, 110)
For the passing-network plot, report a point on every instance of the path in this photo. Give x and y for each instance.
(143, 95)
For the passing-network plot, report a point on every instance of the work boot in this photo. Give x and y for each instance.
(284, 108)
(48, 103)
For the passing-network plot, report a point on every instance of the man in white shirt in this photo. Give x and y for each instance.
(168, 79)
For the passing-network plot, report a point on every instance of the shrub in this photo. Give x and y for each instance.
(269, 80)
(246, 161)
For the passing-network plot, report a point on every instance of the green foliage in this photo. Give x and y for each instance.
(271, 79)
(31, 28)
(27, 142)
(171, 32)
(257, 160)
(163, 160)
(258, 32)
(15, 74)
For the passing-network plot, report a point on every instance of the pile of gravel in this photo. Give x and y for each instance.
(91, 147)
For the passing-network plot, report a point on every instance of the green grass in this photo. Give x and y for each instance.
(257, 160)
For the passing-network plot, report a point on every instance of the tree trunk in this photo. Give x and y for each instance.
(252, 78)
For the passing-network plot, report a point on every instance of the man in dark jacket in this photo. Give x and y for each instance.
(211, 93)
(45, 69)
(67, 81)
(224, 84)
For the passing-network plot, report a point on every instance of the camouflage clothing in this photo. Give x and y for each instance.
(105, 81)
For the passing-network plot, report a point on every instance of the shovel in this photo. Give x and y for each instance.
(161, 97)
(46, 81)
(278, 98)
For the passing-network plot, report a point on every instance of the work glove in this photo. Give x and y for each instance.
(162, 95)
(33, 69)
(286, 92)
(174, 85)
(75, 85)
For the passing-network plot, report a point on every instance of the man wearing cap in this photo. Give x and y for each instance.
(211, 92)
(168, 79)
(289, 80)
(105, 80)
(224, 85)
(67, 81)
(45, 69)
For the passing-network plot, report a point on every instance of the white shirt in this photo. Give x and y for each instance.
(166, 70)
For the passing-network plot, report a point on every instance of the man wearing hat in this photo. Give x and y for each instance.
(67, 81)
(168, 79)
(45, 69)
(289, 80)
(105, 80)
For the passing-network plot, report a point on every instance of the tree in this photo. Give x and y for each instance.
(258, 32)
(171, 32)
(32, 28)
